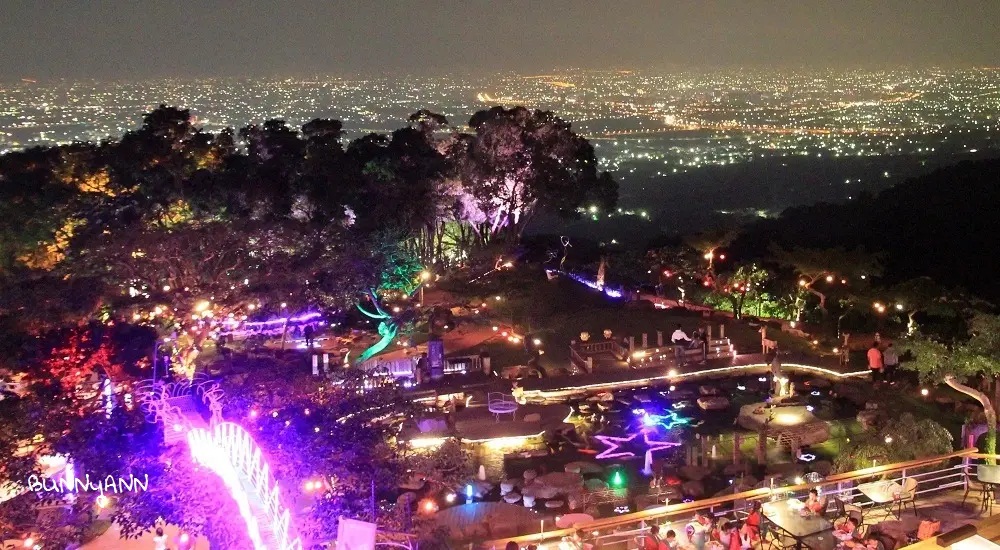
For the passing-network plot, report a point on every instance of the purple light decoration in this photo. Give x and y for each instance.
(609, 292)
(280, 321)
(614, 445)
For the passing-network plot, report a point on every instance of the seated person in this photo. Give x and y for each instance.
(815, 505)
(670, 542)
(753, 521)
(847, 530)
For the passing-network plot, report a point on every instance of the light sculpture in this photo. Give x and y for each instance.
(614, 445)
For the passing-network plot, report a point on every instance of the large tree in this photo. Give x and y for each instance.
(520, 162)
(955, 362)
(828, 266)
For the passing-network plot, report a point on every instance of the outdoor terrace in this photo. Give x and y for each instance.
(947, 489)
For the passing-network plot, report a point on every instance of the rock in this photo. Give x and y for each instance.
(546, 491)
(708, 390)
(713, 403)
(693, 489)
(480, 488)
(552, 504)
(595, 484)
(532, 417)
(868, 419)
(818, 383)
(574, 501)
(694, 473)
(512, 498)
(507, 486)
(529, 501)
(529, 475)
(572, 468)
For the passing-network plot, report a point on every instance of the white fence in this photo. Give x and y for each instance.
(230, 452)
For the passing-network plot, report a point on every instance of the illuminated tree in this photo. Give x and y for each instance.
(896, 440)
(826, 266)
(679, 265)
(182, 493)
(333, 434)
(709, 242)
(742, 286)
(519, 162)
(922, 295)
(954, 362)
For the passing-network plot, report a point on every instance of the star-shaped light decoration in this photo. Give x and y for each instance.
(666, 421)
(614, 445)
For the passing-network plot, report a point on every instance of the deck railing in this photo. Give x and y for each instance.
(933, 474)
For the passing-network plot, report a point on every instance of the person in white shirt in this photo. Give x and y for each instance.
(160, 540)
(890, 361)
(681, 341)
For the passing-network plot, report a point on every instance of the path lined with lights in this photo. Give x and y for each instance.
(231, 453)
(554, 389)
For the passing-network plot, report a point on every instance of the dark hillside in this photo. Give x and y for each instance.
(944, 225)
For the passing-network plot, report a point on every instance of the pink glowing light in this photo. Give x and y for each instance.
(614, 445)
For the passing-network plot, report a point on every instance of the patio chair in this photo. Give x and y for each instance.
(986, 496)
(844, 510)
(908, 496)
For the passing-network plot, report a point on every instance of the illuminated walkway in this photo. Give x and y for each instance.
(231, 453)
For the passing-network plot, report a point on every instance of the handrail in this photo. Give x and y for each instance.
(753, 494)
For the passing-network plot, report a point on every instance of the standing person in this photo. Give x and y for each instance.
(160, 540)
(309, 333)
(704, 345)
(652, 540)
(681, 341)
(891, 361)
(875, 362)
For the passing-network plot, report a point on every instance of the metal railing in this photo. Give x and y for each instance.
(933, 474)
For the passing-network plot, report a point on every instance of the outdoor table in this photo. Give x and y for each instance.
(989, 476)
(787, 516)
(882, 493)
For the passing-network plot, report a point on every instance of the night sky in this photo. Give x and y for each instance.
(153, 38)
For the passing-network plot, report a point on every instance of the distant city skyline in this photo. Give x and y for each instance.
(118, 39)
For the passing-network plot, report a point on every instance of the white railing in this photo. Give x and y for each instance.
(940, 476)
(229, 449)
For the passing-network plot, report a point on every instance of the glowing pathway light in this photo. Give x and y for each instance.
(231, 453)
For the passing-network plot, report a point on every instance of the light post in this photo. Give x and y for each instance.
(424, 277)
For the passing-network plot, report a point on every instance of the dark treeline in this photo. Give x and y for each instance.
(942, 225)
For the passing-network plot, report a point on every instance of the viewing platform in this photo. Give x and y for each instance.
(890, 501)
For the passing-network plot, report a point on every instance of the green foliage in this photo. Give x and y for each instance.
(448, 465)
(897, 440)
(742, 286)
